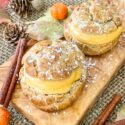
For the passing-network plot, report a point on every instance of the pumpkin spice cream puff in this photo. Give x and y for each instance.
(53, 74)
(95, 26)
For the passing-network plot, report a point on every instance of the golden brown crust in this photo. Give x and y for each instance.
(53, 61)
(35, 48)
(54, 102)
(97, 17)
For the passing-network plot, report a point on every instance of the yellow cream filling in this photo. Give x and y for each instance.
(53, 86)
(94, 38)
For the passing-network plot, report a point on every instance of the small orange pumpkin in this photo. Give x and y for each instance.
(59, 11)
(4, 116)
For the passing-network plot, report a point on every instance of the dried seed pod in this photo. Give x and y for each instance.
(13, 32)
(21, 7)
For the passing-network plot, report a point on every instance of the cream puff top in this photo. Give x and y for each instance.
(96, 17)
(55, 61)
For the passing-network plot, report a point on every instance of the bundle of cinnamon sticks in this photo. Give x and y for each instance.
(10, 81)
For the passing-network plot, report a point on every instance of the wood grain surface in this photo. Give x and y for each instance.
(100, 71)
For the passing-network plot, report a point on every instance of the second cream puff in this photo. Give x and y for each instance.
(95, 26)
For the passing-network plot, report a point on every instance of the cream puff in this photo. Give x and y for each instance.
(94, 26)
(53, 74)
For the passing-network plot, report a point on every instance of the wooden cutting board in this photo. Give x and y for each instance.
(100, 72)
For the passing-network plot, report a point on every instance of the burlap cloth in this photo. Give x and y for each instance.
(117, 85)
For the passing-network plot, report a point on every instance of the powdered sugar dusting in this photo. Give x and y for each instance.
(57, 60)
(96, 17)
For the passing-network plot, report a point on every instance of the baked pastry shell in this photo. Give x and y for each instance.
(91, 49)
(49, 102)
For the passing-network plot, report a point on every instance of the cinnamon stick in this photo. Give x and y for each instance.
(16, 72)
(107, 111)
(99, 118)
(6, 83)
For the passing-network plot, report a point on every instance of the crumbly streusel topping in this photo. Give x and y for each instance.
(95, 16)
(56, 61)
